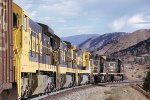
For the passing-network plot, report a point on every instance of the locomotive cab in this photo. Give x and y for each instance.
(20, 41)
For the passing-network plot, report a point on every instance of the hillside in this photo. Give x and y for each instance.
(136, 59)
(139, 49)
(100, 41)
(78, 39)
(125, 41)
(113, 42)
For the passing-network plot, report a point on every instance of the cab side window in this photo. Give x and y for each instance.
(15, 20)
(25, 22)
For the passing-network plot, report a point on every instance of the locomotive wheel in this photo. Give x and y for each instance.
(26, 92)
(61, 85)
(46, 89)
(49, 88)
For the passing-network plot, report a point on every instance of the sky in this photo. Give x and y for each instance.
(75, 17)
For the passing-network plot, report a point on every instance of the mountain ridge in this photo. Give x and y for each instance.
(99, 41)
(113, 42)
(78, 39)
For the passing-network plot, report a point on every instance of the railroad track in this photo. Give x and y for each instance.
(121, 82)
(78, 88)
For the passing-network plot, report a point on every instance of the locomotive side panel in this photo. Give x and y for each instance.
(6, 49)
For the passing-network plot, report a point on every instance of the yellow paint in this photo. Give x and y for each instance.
(95, 73)
(86, 59)
(17, 40)
(64, 70)
(84, 71)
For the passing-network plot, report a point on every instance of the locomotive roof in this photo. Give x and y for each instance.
(46, 29)
(69, 44)
(34, 26)
(110, 59)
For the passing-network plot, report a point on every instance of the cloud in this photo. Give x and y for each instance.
(33, 14)
(84, 29)
(81, 29)
(51, 19)
(26, 4)
(70, 30)
(119, 23)
(63, 8)
(137, 21)
(55, 7)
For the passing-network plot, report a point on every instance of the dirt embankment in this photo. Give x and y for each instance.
(116, 92)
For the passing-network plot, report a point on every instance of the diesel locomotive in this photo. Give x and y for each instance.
(34, 60)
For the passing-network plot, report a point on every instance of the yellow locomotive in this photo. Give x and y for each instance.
(84, 69)
(67, 67)
(36, 50)
(106, 69)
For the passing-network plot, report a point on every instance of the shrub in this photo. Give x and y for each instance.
(146, 85)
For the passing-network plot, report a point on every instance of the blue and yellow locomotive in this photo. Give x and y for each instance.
(42, 62)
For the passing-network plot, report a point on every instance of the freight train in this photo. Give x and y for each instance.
(34, 60)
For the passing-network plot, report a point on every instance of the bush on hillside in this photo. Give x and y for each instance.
(146, 85)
